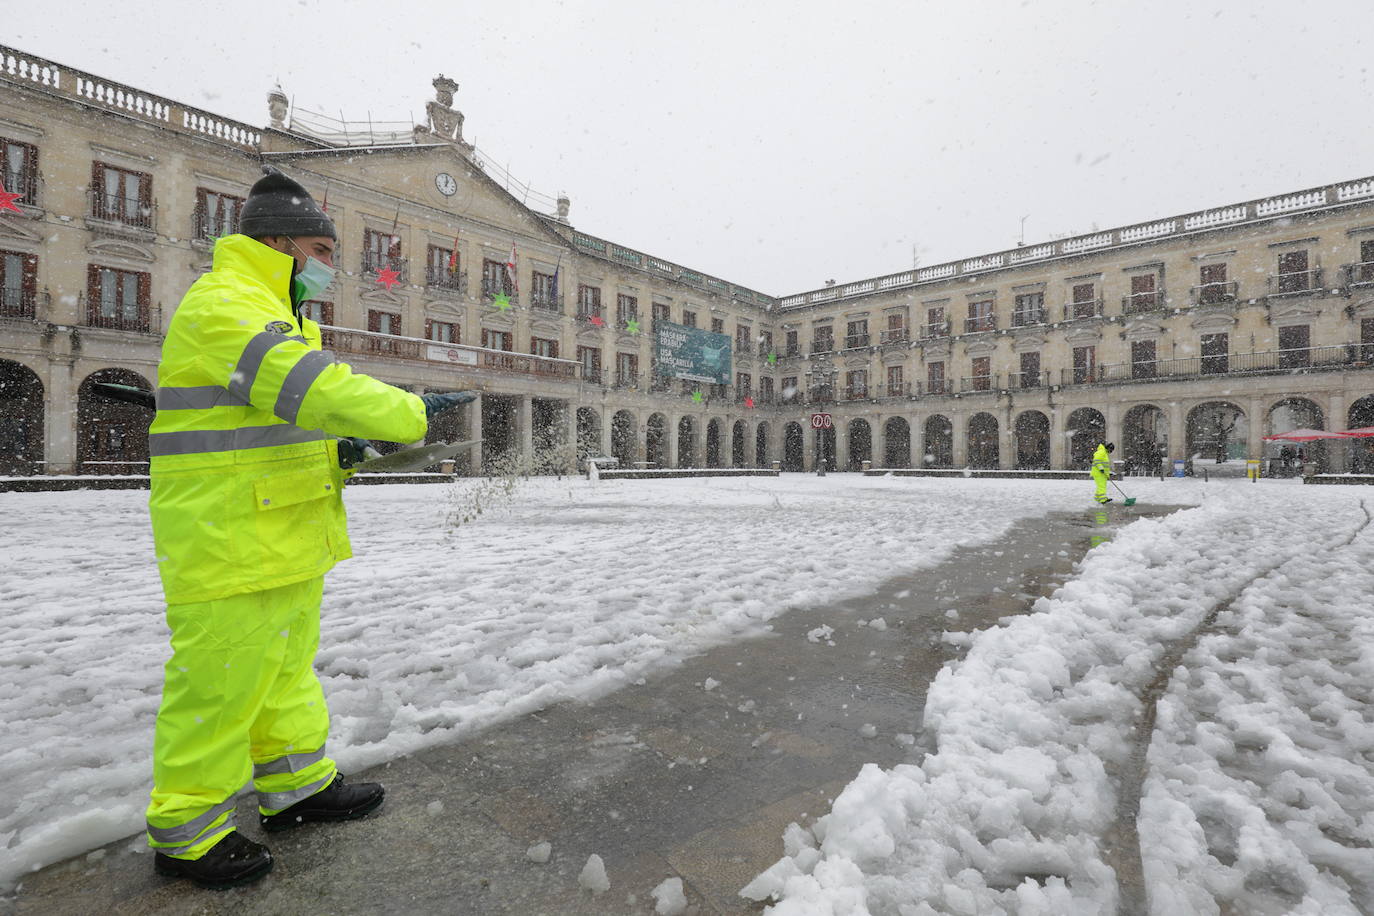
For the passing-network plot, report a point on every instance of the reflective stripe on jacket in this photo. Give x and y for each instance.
(1102, 460)
(246, 488)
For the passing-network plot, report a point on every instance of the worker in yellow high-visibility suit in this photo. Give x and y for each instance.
(1102, 470)
(247, 517)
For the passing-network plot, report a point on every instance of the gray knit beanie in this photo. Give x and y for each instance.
(278, 205)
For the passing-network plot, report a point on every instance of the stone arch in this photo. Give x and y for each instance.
(686, 442)
(793, 447)
(21, 419)
(1032, 440)
(860, 444)
(739, 441)
(1144, 440)
(111, 436)
(656, 440)
(761, 458)
(1285, 459)
(1087, 427)
(939, 442)
(588, 431)
(1359, 416)
(624, 438)
(713, 459)
(1294, 413)
(1216, 431)
(984, 451)
(897, 443)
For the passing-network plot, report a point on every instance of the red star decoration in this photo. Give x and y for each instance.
(598, 321)
(7, 200)
(388, 277)
(748, 402)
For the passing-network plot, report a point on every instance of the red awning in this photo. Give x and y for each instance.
(1364, 432)
(1305, 435)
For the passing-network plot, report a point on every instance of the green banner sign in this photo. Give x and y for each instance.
(691, 353)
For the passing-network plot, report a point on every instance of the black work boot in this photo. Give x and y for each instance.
(336, 803)
(232, 861)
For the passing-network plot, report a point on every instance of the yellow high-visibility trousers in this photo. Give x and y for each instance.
(1101, 481)
(240, 700)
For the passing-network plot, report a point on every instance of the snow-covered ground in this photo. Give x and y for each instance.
(1252, 616)
(558, 589)
(1257, 791)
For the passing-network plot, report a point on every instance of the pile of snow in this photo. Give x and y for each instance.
(671, 900)
(593, 875)
(1267, 807)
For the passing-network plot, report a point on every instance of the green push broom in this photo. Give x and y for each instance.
(1126, 500)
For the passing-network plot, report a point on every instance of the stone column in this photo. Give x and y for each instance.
(1178, 437)
(474, 418)
(59, 418)
(1006, 450)
(670, 435)
(1337, 451)
(606, 417)
(525, 426)
(1254, 441)
(810, 440)
(918, 442)
(959, 422)
(1058, 445)
(842, 445)
(879, 455)
(567, 445)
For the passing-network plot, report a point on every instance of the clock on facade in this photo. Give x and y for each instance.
(446, 184)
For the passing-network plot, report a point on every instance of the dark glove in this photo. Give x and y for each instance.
(353, 450)
(437, 401)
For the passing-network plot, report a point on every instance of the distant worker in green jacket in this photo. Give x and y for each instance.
(247, 513)
(1102, 470)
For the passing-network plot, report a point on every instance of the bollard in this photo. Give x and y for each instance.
(1204, 475)
(867, 465)
(777, 466)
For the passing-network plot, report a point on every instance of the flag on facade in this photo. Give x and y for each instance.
(510, 269)
(453, 256)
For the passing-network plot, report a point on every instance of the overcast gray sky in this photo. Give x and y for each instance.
(780, 144)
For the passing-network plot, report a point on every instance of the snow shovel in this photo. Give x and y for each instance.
(413, 459)
(1125, 500)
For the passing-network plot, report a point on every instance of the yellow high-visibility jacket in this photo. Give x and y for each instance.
(1102, 461)
(246, 485)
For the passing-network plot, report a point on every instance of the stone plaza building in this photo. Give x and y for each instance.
(1190, 335)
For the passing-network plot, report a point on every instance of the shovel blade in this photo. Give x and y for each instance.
(1130, 501)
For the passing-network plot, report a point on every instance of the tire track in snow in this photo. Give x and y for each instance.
(1124, 839)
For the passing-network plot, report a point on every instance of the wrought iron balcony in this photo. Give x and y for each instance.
(892, 335)
(938, 329)
(1222, 293)
(900, 390)
(118, 212)
(1086, 308)
(980, 323)
(25, 183)
(1026, 380)
(547, 302)
(1140, 303)
(824, 345)
(490, 290)
(16, 302)
(1361, 274)
(445, 280)
(978, 383)
(939, 386)
(855, 341)
(1025, 318)
(856, 392)
(373, 264)
(1296, 282)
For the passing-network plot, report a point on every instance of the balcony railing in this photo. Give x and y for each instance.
(1087, 308)
(1361, 274)
(1025, 380)
(938, 329)
(25, 183)
(1339, 356)
(627, 380)
(491, 289)
(825, 345)
(892, 335)
(1025, 318)
(821, 395)
(766, 397)
(122, 211)
(980, 323)
(901, 390)
(791, 352)
(372, 264)
(1297, 281)
(547, 302)
(855, 392)
(125, 319)
(17, 303)
(623, 322)
(939, 386)
(369, 343)
(587, 316)
(591, 375)
(854, 341)
(742, 393)
(1221, 293)
(441, 278)
(1139, 303)
(978, 383)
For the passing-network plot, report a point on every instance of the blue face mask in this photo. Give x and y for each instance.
(314, 277)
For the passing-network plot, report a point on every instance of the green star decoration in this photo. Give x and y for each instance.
(772, 359)
(502, 302)
(696, 396)
(632, 326)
